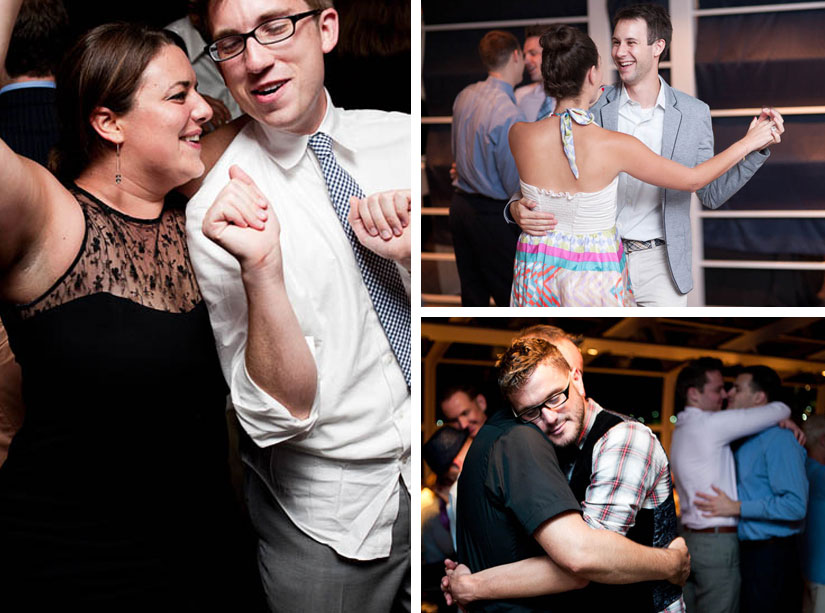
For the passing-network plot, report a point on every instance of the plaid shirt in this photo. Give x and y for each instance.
(630, 472)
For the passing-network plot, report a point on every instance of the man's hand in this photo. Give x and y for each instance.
(720, 505)
(790, 424)
(456, 585)
(534, 223)
(382, 224)
(680, 576)
(240, 221)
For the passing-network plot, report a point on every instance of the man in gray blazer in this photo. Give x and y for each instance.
(654, 222)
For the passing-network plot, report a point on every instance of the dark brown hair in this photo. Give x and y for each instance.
(534, 30)
(764, 379)
(39, 39)
(694, 374)
(103, 69)
(496, 48)
(517, 364)
(656, 18)
(201, 8)
(567, 55)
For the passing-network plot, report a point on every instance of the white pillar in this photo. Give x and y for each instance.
(683, 77)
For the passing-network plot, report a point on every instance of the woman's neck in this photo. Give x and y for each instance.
(571, 103)
(129, 196)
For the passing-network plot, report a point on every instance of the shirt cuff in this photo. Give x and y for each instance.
(749, 509)
(266, 420)
(516, 196)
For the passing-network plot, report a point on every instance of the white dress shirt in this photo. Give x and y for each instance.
(701, 456)
(336, 474)
(640, 204)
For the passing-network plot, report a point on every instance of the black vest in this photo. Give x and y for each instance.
(653, 527)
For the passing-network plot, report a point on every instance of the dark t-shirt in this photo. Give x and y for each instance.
(510, 484)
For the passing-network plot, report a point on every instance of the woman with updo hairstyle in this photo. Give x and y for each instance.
(116, 493)
(570, 167)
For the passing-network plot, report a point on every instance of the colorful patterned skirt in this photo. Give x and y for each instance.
(566, 269)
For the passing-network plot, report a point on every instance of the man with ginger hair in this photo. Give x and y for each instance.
(482, 116)
(632, 497)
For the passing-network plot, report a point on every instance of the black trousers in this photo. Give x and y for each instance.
(771, 576)
(485, 249)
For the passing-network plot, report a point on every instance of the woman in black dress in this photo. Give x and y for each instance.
(115, 495)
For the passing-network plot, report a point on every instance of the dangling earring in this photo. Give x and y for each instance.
(117, 163)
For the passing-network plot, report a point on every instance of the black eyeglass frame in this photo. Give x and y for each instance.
(212, 48)
(563, 393)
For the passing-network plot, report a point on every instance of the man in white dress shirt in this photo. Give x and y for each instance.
(328, 490)
(701, 457)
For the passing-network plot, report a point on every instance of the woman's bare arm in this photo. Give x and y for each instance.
(634, 158)
(28, 190)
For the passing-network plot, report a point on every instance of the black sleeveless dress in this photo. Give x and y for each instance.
(116, 493)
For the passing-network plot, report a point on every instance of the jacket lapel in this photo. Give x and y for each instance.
(610, 111)
(672, 121)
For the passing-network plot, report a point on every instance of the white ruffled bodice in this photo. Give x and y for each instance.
(580, 213)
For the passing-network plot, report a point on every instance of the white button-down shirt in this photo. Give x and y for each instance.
(640, 204)
(701, 456)
(336, 474)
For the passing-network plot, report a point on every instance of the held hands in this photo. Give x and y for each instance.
(720, 505)
(382, 223)
(455, 584)
(240, 221)
(764, 130)
(534, 223)
(680, 576)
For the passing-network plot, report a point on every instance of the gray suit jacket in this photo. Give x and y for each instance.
(687, 138)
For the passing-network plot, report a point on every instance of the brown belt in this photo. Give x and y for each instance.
(715, 530)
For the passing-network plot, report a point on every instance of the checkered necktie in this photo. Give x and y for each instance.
(380, 275)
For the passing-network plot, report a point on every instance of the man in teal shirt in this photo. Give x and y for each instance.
(772, 501)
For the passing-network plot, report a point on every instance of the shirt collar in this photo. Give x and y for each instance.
(661, 99)
(503, 86)
(287, 149)
(591, 410)
(26, 85)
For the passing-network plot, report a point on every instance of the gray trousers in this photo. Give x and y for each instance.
(300, 575)
(714, 581)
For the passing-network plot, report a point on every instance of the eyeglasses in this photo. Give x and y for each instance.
(553, 402)
(268, 33)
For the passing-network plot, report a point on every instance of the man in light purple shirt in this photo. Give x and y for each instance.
(701, 458)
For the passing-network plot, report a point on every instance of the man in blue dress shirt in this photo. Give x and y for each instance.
(772, 501)
(483, 112)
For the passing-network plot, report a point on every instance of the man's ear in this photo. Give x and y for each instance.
(691, 394)
(481, 401)
(328, 27)
(760, 398)
(658, 47)
(106, 124)
(577, 381)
